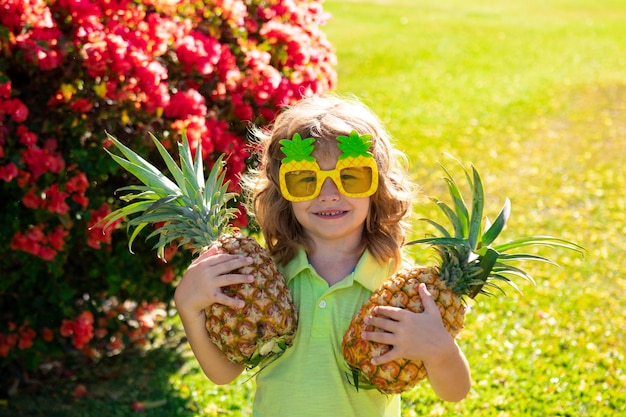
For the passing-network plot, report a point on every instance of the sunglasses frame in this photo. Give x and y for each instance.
(334, 175)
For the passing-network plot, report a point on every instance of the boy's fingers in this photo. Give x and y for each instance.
(430, 306)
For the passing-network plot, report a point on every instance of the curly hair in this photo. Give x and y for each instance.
(324, 118)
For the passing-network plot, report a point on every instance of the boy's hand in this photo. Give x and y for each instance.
(416, 336)
(201, 286)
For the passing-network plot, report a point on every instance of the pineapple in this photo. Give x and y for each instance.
(196, 213)
(469, 265)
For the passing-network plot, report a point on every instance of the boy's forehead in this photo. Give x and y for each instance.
(326, 149)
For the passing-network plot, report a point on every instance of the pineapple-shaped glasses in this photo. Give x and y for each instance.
(356, 172)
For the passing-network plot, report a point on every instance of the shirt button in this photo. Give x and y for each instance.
(322, 304)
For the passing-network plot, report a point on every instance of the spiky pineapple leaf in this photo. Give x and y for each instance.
(173, 168)
(549, 241)
(478, 203)
(439, 227)
(194, 180)
(137, 207)
(144, 193)
(156, 181)
(475, 261)
(493, 231)
(457, 224)
(191, 210)
(460, 208)
(131, 155)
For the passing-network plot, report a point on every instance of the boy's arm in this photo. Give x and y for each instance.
(449, 374)
(212, 361)
(200, 287)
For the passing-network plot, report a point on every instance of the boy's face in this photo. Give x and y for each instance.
(331, 215)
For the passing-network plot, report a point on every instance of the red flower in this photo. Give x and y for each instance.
(67, 328)
(168, 276)
(54, 200)
(77, 184)
(8, 172)
(80, 391)
(96, 234)
(26, 338)
(32, 242)
(27, 137)
(47, 334)
(32, 200)
(184, 104)
(19, 111)
(80, 328)
(5, 89)
(56, 238)
(82, 105)
(39, 161)
(7, 342)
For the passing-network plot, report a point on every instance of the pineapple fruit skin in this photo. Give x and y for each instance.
(267, 324)
(400, 290)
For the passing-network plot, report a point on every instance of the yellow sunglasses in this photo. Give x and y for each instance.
(355, 174)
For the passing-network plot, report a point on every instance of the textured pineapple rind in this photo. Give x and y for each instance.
(266, 325)
(400, 290)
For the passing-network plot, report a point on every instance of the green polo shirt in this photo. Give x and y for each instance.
(311, 377)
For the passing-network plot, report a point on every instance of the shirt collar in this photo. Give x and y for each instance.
(368, 272)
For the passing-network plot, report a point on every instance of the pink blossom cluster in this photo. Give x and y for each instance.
(73, 69)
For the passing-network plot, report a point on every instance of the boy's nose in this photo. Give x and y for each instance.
(329, 191)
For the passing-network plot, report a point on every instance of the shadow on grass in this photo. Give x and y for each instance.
(113, 387)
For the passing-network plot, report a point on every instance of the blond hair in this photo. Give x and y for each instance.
(324, 118)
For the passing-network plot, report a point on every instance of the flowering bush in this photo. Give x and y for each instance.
(71, 70)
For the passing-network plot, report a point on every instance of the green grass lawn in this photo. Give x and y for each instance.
(533, 93)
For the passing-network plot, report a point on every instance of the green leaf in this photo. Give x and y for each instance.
(439, 227)
(127, 210)
(477, 210)
(457, 198)
(486, 263)
(452, 217)
(135, 233)
(539, 241)
(155, 180)
(498, 225)
(438, 241)
(131, 155)
(174, 169)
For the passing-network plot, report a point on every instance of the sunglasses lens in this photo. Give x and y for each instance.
(301, 183)
(356, 180)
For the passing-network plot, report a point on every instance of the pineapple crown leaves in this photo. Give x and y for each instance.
(354, 145)
(297, 149)
(193, 211)
(470, 260)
